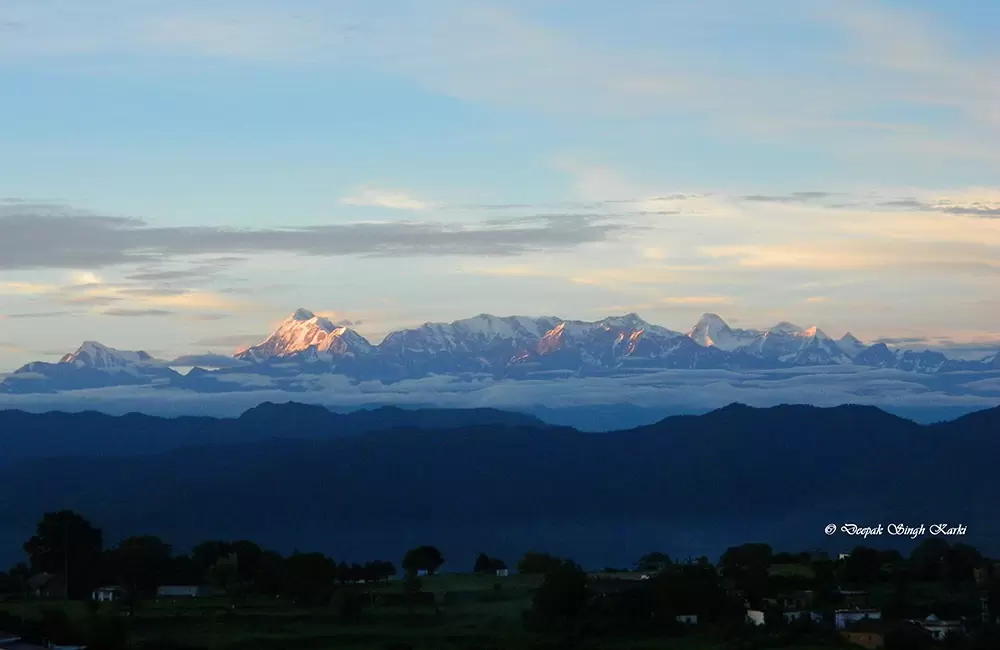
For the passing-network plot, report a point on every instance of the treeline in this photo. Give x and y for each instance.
(68, 546)
(568, 604)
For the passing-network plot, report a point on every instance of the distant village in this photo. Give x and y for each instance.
(941, 594)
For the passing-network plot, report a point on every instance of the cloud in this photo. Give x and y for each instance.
(130, 313)
(32, 239)
(230, 341)
(208, 361)
(40, 314)
(817, 299)
(386, 199)
(164, 275)
(975, 209)
(673, 389)
(699, 300)
(794, 197)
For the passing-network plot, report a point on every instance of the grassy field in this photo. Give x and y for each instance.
(471, 614)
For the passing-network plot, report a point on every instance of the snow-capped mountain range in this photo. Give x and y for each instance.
(306, 345)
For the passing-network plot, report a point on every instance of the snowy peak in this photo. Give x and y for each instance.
(712, 331)
(851, 345)
(306, 333)
(786, 328)
(92, 354)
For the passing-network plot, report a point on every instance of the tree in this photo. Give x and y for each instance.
(248, 556)
(864, 566)
(928, 560)
(560, 602)
(268, 575)
(538, 563)
(224, 574)
(422, 558)
(483, 563)
(309, 578)
(748, 566)
(67, 544)
(487, 564)
(139, 563)
(655, 561)
(206, 554)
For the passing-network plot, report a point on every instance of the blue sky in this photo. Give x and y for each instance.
(161, 161)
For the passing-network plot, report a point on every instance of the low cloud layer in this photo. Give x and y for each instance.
(680, 391)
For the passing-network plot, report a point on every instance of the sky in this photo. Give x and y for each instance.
(179, 176)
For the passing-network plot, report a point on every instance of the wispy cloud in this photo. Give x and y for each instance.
(39, 314)
(795, 197)
(386, 199)
(132, 313)
(41, 239)
(699, 300)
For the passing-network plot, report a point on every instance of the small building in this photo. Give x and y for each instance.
(795, 615)
(502, 573)
(421, 573)
(755, 617)
(796, 600)
(939, 629)
(47, 585)
(866, 633)
(852, 598)
(844, 618)
(687, 619)
(109, 594)
(182, 591)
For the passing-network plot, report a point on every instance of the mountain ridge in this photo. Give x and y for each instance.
(782, 472)
(511, 347)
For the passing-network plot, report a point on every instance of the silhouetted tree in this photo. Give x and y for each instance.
(207, 554)
(487, 564)
(655, 561)
(66, 544)
(928, 559)
(748, 566)
(538, 563)
(422, 558)
(269, 573)
(560, 602)
(140, 564)
(864, 566)
(309, 578)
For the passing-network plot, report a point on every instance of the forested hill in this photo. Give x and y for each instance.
(795, 466)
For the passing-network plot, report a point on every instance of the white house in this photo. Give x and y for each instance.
(845, 617)
(755, 617)
(502, 573)
(108, 594)
(687, 619)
